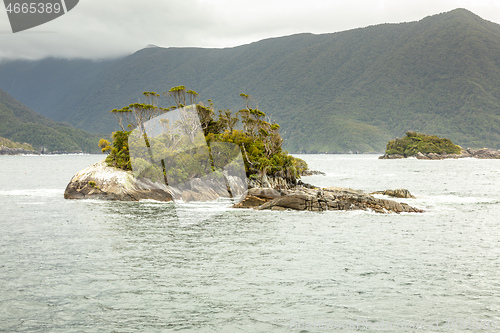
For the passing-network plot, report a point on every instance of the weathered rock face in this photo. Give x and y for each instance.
(484, 153)
(265, 193)
(251, 201)
(312, 173)
(276, 183)
(391, 157)
(398, 193)
(316, 199)
(102, 182)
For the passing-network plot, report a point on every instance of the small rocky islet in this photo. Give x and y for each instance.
(483, 154)
(101, 181)
(431, 147)
(271, 173)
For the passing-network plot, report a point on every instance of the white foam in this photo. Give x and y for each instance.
(154, 202)
(33, 193)
(207, 206)
(455, 199)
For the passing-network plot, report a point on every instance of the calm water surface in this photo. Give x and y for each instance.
(96, 266)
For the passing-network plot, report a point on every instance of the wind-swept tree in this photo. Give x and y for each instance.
(246, 100)
(258, 137)
(179, 95)
(122, 116)
(192, 96)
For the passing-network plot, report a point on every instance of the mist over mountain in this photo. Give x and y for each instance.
(339, 92)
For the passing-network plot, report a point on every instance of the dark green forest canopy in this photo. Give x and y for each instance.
(257, 137)
(21, 124)
(414, 143)
(347, 91)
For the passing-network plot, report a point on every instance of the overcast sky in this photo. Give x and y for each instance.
(109, 28)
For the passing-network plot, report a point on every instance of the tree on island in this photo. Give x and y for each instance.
(257, 136)
(414, 143)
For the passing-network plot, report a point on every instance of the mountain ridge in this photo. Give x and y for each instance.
(344, 91)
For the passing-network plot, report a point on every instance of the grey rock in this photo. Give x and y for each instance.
(484, 153)
(421, 156)
(391, 157)
(266, 193)
(398, 193)
(303, 198)
(250, 202)
(312, 173)
(188, 195)
(293, 201)
(100, 181)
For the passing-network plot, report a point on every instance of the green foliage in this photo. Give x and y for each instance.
(21, 124)
(414, 143)
(105, 146)
(119, 156)
(179, 95)
(259, 141)
(348, 91)
(300, 165)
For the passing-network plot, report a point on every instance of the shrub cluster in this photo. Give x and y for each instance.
(256, 135)
(414, 143)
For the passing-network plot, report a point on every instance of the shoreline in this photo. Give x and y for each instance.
(100, 181)
(483, 154)
(5, 151)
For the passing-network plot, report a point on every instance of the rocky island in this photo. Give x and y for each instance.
(100, 181)
(431, 147)
(271, 175)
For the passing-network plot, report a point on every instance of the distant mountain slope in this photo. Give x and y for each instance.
(46, 84)
(21, 124)
(12, 144)
(347, 91)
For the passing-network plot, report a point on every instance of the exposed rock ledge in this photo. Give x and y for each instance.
(313, 173)
(484, 153)
(398, 193)
(320, 199)
(100, 181)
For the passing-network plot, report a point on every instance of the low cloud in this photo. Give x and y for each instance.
(101, 29)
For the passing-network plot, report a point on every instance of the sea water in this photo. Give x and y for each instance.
(101, 266)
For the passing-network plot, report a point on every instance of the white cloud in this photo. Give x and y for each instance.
(96, 28)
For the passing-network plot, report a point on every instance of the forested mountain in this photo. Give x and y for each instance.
(21, 124)
(346, 91)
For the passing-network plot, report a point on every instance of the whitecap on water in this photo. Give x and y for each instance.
(457, 199)
(32, 193)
